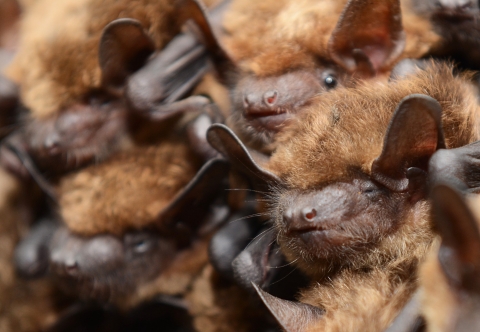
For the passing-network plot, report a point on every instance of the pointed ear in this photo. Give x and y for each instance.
(414, 134)
(224, 140)
(195, 10)
(252, 265)
(193, 202)
(369, 36)
(292, 316)
(15, 143)
(124, 48)
(459, 253)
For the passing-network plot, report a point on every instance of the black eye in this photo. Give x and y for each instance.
(371, 190)
(330, 82)
(99, 99)
(141, 246)
(139, 243)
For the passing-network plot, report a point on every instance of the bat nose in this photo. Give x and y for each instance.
(270, 98)
(302, 218)
(71, 267)
(52, 143)
(254, 100)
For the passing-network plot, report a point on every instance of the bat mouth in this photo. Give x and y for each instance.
(267, 120)
(317, 237)
(454, 16)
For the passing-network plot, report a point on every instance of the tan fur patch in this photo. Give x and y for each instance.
(127, 191)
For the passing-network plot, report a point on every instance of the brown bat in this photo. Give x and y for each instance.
(348, 199)
(280, 55)
(456, 21)
(78, 110)
(107, 253)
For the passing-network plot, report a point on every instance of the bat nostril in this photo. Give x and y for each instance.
(71, 267)
(247, 100)
(52, 144)
(309, 214)
(270, 97)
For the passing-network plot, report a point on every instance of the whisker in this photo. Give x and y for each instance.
(250, 216)
(278, 267)
(273, 283)
(258, 236)
(247, 189)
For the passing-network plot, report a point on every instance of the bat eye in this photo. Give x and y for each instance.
(139, 243)
(141, 247)
(330, 82)
(371, 190)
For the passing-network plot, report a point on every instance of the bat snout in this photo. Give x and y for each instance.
(316, 211)
(456, 10)
(259, 103)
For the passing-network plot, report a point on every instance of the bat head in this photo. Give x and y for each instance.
(135, 81)
(367, 41)
(109, 266)
(104, 265)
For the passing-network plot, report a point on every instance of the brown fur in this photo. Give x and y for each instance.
(337, 125)
(295, 33)
(128, 190)
(269, 39)
(338, 136)
(220, 306)
(57, 63)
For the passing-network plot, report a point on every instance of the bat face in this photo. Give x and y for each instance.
(105, 266)
(265, 105)
(80, 135)
(339, 220)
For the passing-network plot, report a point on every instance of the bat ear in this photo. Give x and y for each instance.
(31, 255)
(195, 10)
(459, 253)
(414, 134)
(15, 144)
(124, 48)
(191, 205)
(224, 140)
(368, 37)
(252, 265)
(292, 316)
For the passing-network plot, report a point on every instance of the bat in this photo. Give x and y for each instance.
(355, 218)
(316, 46)
(113, 264)
(77, 122)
